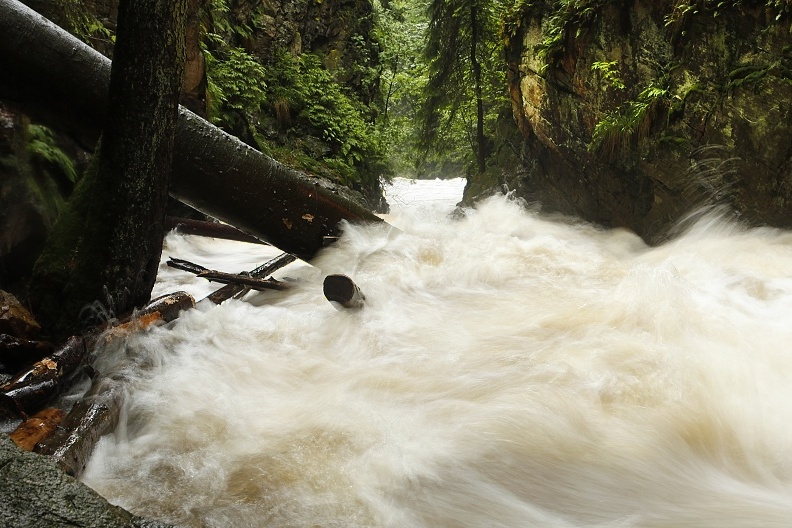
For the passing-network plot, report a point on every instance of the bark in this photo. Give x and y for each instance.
(33, 388)
(106, 247)
(232, 290)
(60, 80)
(91, 418)
(187, 226)
(30, 390)
(36, 428)
(244, 280)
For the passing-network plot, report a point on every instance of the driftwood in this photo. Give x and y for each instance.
(341, 291)
(187, 226)
(62, 82)
(36, 428)
(244, 280)
(238, 290)
(31, 389)
(95, 415)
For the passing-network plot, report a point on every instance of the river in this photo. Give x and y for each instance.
(507, 370)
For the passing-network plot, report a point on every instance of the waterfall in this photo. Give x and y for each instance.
(507, 370)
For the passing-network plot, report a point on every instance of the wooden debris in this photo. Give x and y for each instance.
(92, 417)
(29, 391)
(341, 291)
(202, 228)
(269, 267)
(36, 428)
(245, 280)
(33, 388)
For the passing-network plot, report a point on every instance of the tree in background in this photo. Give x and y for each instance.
(106, 246)
(464, 74)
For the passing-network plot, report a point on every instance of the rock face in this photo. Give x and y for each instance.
(634, 113)
(33, 492)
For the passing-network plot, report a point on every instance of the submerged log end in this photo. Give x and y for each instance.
(342, 292)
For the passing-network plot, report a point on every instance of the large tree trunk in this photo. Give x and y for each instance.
(107, 245)
(60, 80)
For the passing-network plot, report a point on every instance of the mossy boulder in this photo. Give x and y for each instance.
(634, 113)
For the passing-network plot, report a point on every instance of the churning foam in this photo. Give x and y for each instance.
(506, 371)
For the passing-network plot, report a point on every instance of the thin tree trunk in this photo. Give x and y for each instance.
(481, 155)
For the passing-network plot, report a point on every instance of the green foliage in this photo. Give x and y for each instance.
(466, 87)
(309, 101)
(43, 148)
(609, 74)
(632, 121)
(82, 23)
(562, 21)
(236, 87)
(685, 8)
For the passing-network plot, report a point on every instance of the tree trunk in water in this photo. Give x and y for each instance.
(106, 247)
(61, 81)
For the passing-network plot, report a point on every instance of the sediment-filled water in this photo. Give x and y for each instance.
(507, 370)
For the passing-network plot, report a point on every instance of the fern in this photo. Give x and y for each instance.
(43, 148)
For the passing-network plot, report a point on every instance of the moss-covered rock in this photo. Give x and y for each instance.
(633, 112)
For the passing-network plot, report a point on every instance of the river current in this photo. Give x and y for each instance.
(507, 370)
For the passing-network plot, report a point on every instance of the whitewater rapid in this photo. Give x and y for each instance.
(508, 370)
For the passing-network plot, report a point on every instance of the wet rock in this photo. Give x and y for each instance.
(635, 113)
(35, 493)
(15, 319)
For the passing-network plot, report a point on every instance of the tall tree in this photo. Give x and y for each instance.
(461, 37)
(104, 251)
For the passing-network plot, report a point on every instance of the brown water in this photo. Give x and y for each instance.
(506, 371)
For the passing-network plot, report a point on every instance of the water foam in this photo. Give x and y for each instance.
(507, 370)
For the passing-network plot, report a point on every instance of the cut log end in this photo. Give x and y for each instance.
(342, 292)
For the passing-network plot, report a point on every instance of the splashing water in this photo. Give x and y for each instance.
(507, 371)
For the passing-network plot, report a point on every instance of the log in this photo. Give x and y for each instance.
(33, 388)
(36, 428)
(29, 391)
(188, 226)
(95, 415)
(269, 267)
(242, 279)
(342, 292)
(57, 79)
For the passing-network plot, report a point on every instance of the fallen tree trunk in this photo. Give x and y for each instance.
(342, 292)
(30, 390)
(59, 80)
(95, 415)
(187, 226)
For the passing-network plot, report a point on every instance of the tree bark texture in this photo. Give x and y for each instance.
(107, 245)
(59, 80)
